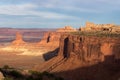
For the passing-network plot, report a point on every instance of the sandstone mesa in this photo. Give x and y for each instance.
(75, 51)
(100, 27)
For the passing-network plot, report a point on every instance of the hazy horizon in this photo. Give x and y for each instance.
(57, 13)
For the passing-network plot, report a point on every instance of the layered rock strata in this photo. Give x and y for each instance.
(100, 27)
(89, 48)
(50, 39)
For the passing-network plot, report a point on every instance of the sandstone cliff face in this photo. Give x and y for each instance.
(77, 49)
(87, 58)
(50, 37)
(50, 40)
(88, 48)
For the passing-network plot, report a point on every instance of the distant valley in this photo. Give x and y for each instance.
(9, 53)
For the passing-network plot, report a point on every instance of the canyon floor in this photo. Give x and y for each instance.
(20, 61)
(21, 56)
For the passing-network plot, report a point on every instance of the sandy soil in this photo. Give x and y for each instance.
(20, 61)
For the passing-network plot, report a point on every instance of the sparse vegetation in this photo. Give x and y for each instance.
(8, 78)
(97, 33)
(14, 74)
(42, 76)
(6, 67)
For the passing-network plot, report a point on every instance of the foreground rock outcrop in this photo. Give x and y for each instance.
(1, 76)
(85, 57)
(89, 48)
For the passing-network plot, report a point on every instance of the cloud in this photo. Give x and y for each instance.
(57, 12)
(87, 6)
(29, 9)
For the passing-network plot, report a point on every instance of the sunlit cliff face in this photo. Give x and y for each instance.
(19, 40)
(107, 48)
(84, 56)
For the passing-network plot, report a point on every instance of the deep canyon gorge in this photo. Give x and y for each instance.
(71, 53)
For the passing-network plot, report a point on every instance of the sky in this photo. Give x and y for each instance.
(57, 13)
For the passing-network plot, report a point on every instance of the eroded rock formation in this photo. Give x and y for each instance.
(88, 48)
(66, 29)
(50, 39)
(100, 27)
(19, 40)
(85, 57)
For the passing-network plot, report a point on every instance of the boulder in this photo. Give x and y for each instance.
(1, 76)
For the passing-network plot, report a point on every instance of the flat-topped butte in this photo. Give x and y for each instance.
(98, 30)
(91, 27)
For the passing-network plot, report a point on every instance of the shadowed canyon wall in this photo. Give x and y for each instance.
(83, 57)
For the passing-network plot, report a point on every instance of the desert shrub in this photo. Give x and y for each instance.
(35, 75)
(8, 78)
(6, 67)
(34, 72)
(59, 78)
(48, 74)
(51, 76)
(16, 74)
(40, 76)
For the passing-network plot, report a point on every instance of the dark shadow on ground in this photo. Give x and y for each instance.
(49, 55)
(107, 70)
